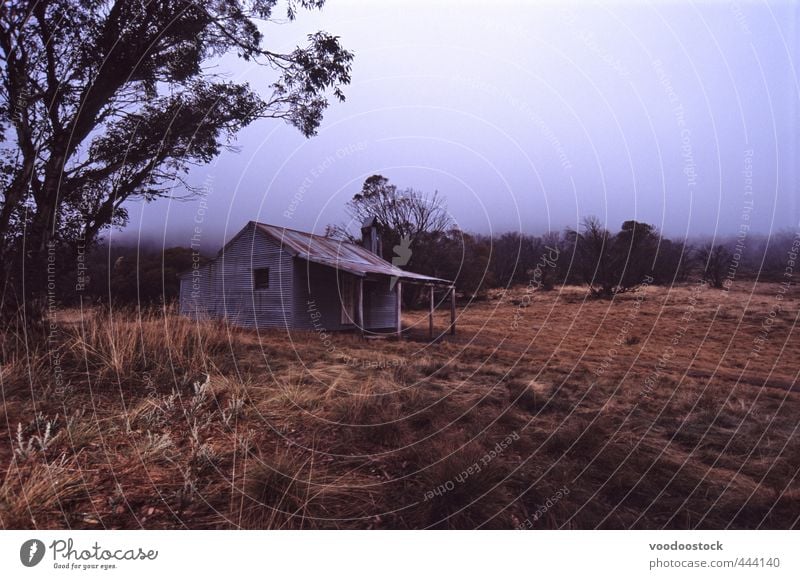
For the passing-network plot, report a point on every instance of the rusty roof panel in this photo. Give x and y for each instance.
(340, 254)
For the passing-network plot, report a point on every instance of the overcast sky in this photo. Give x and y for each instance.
(527, 117)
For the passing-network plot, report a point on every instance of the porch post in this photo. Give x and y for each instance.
(399, 295)
(360, 310)
(430, 316)
(453, 310)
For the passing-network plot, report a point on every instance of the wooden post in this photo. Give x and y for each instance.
(360, 310)
(399, 294)
(453, 311)
(430, 317)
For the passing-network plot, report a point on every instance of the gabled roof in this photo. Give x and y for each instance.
(342, 255)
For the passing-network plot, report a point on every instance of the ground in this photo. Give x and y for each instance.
(663, 408)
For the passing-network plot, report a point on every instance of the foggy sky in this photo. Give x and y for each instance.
(525, 117)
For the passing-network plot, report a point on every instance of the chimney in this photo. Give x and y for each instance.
(370, 237)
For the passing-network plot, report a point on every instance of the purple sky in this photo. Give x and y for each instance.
(527, 117)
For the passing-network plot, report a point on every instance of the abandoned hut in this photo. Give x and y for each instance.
(268, 276)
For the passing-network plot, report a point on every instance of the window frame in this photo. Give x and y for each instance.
(255, 275)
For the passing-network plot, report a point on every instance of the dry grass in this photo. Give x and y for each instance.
(675, 408)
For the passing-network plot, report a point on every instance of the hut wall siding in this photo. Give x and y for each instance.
(236, 300)
(223, 289)
(317, 305)
(380, 309)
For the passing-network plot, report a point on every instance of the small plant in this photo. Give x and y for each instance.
(78, 431)
(199, 399)
(168, 402)
(233, 410)
(154, 445)
(23, 449)
(245, 442)
(201, 453)
(189, 489)
(45, 429)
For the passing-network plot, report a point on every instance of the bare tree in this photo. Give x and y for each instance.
(405, 216)
(715, 260)
(593, 256)
(408, 212)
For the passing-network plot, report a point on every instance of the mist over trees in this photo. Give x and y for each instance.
(419, 235)
(148, 275)
(606, 262)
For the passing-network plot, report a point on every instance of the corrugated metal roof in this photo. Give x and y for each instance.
(339, 254)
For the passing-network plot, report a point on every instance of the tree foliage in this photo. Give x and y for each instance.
(419, 222)
(106, 101)
(406, 216)
(715, 260)
(612, 263)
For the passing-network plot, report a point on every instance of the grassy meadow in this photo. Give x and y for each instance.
(662, 408)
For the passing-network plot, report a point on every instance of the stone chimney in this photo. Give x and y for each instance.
(370, 238)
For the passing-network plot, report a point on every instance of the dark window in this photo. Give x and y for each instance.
(261, 278)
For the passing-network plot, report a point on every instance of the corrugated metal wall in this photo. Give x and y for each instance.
(241, 304)
(317, 303)
(302, 295)
(380, 305)
(223, 289)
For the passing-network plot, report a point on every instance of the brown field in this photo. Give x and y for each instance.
(665, 408)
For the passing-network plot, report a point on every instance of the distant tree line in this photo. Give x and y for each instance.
(606, 262)
(127, 275)
(419, 235)
(609, 263)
